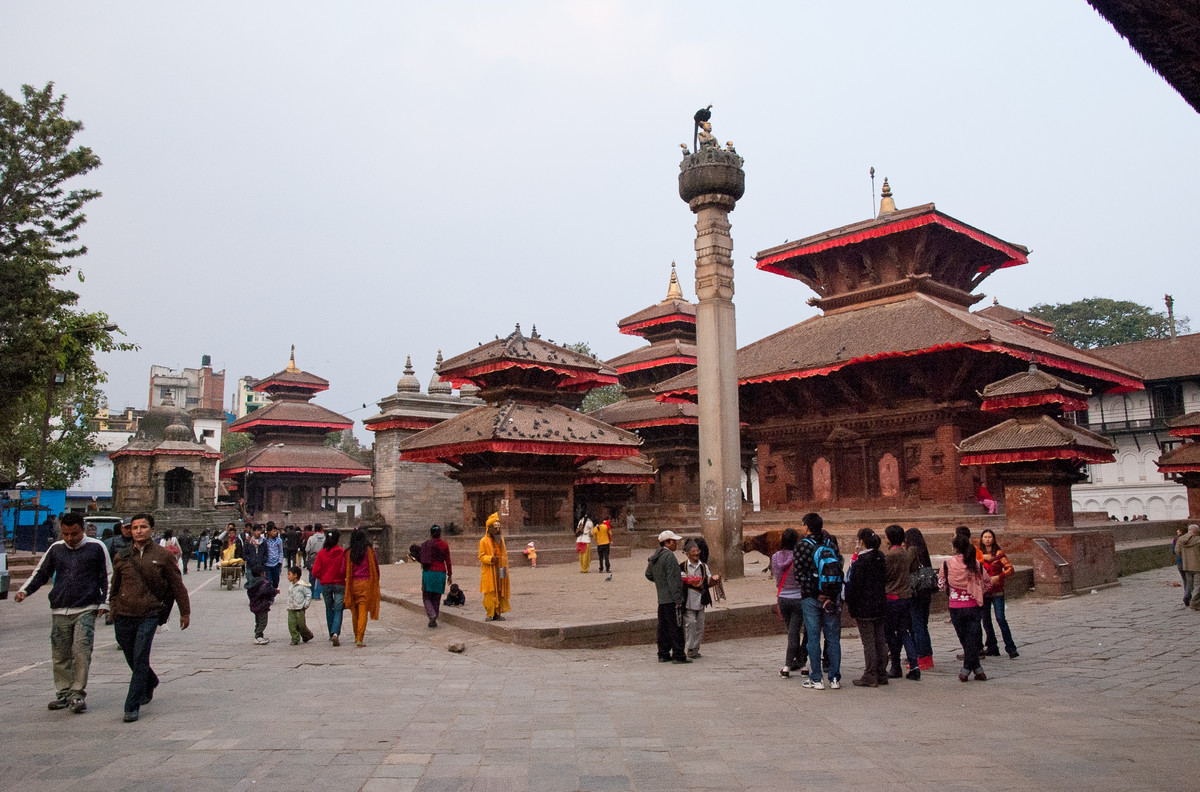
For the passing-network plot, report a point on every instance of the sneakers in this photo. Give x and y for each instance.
(295, 643)
(808, 683)
(925, 663)
(261, 639)
(334, 640)
(785, 672)
(78, 705)
(58, 703)
(914, 674)
(835, 684)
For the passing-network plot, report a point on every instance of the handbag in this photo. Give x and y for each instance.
(923, 581)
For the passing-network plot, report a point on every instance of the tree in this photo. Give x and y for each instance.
(596, 397)
(345, 441)
(232, 442)
(49, 376)
(1099, 322)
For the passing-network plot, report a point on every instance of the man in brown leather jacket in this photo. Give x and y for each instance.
(146, 580)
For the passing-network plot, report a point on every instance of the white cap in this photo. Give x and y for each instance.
(665, 535)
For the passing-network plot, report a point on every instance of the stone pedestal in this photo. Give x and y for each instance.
(1037, 495)
(711, 181)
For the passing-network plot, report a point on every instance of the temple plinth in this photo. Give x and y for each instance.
(711, 181)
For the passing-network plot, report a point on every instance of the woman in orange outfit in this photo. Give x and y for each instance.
(362, 583)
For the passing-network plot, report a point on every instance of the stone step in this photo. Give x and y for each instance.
(466, 553)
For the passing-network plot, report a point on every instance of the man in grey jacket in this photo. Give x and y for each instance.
(1187, 547)
(663, 569)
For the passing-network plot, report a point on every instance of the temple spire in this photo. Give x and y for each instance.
(291, 366)
(674, 292)
(886, 203)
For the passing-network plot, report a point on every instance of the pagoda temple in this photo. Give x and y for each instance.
(521, 452)
(1037, 456)
(864, 406)
(289, 475)
(669, 431)
(1182, 463)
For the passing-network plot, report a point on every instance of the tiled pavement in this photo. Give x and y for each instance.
(1103, 697)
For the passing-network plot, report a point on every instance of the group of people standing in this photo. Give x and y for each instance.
(888, 594)
(587, 529)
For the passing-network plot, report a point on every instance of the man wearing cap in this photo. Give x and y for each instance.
(663, 569)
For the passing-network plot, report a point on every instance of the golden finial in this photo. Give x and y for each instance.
(291, 366)
(886, 204)
(674, 292)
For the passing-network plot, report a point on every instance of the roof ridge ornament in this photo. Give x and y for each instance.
(887, 204)
(291, 366)
(674, 291)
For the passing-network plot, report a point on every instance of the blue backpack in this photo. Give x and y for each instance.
(829, 572)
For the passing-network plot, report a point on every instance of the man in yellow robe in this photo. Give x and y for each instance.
(493, 569)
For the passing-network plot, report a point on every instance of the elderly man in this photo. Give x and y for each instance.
(146, 580)
(80, 567)
(1188, 549)
(663, 569)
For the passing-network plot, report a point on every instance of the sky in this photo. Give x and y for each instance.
(374, 180)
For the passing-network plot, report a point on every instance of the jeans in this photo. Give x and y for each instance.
(334, 596)
(135, 636)
(71, 640)
(919, 614)
(897, 628)
(670, 632)
(201, 558)
(793, 617)
(274, 573)
(602, 554)
(996, 604)
(970, 635)
(816, 622)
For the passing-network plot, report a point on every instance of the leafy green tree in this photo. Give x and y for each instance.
(232, 442)
(1100, 322)
(596, 397)
(46, 344)
(345, 441)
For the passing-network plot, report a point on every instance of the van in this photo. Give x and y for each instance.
(94, 526)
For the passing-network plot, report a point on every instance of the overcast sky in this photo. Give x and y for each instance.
(372, 180)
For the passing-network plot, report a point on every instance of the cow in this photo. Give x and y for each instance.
(767, 543)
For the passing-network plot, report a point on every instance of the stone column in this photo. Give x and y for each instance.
(711, 181)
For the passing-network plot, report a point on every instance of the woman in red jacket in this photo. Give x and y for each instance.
(329, 568)
(997, 565)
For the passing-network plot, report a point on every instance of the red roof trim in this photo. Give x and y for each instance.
(1185, 431)
(676, 420)
(166, 452)
(1179, 468)
(400, 423)
(615, 478)
(1008, 457)
(274, 422)
(1122, 384)
(1069, 404)
(1015, 256)
(632, 329)
(649, 364)
(231, 472)
(458, 450)
(504, 365)
(261, 387)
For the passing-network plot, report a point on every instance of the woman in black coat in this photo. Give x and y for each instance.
(865, 598)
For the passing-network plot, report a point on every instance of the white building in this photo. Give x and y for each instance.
(1136, 421)
(245, 400)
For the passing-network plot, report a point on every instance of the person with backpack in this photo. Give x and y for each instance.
(818, 569)
(924, 583)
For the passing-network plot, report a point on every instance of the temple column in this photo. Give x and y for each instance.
(711, 181)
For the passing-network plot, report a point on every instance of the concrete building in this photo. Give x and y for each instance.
(245, 399)
(1138, 422)
(189, 388)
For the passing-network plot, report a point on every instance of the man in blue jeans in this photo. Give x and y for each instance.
(820, 607)
(145, 581)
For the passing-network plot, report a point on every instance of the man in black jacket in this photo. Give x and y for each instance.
(819, 604)
(866, 597)
(81, 567)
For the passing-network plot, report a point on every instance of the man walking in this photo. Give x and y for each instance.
(272, 555)
(146, 580)
(1187, 547)
(314, 545)
(663, 569)
(80, 567)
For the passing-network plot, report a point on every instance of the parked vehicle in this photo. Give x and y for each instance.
(95, 525)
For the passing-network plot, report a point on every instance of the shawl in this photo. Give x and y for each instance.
(373, 592)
